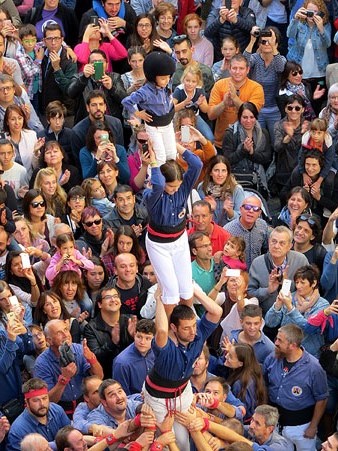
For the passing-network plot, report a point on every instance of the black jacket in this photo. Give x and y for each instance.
(99, 340)
(80, 86)
(67, 17)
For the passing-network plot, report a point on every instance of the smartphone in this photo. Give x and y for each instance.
(104, 139)
(227, 4)
(286, 286)
(7, 23)
(98, 67)
(94, 20)
(145, 147)
(25, 261)
(321, 83)
(185, 133)
(233, 273)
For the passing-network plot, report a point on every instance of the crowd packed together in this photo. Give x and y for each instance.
(168, 225)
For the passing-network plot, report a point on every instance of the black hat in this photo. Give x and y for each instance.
(158, 63)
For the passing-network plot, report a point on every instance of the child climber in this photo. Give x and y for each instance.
(154, 105)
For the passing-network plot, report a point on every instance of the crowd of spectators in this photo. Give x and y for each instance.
(168, 225)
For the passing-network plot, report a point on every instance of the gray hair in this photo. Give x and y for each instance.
(283, 229)
(32, 441)
(50, 324)
(293, 333)
(269, 413)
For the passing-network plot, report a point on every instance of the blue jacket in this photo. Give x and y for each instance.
(329, 278)
(301, 33)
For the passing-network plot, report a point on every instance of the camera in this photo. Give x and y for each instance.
(309, 13)
(256, 33)
(265, 34)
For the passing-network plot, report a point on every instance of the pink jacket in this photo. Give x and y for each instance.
(51, 271)
(114, 51)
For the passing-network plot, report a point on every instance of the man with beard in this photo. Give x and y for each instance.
(96, 105)
(297, 386)
(40, 415)
(184, 53)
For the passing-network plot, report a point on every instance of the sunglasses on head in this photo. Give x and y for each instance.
(42, 203)
(180, 38)
(91, 223)
(294, 73)
(249, 207)
(291, 108)
(306, 218)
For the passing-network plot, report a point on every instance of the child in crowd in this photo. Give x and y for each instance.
(190, 95)
(317, 138)
(29, 57)
(153, 104)
(229, 49)
(232, 257)
(96, 196)
(67, 258)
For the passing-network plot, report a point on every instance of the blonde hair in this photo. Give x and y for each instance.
(60, 197)
(193, 69)
(319, 124)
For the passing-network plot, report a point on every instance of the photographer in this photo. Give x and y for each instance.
(311, 26)
(266, 66)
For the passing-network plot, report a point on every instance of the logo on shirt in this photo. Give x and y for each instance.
(296, 391)
(182, 214)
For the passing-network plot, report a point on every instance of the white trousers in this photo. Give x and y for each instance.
(164, 142)
(172, 266)
(295, 435)
(181, 404)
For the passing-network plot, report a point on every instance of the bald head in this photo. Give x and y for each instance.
(251, 209)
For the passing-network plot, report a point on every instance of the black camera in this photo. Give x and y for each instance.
(309, 13)
(265, 34)
(256, 33)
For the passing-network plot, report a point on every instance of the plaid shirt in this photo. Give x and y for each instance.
(29, 69)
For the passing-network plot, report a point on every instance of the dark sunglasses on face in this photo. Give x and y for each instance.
(306, 218)
(142, 141)
(291, 108)
(42, 203)
(294, 73)
(91, 223)
(249, 207)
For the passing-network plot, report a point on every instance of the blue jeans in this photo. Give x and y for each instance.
(204, 128)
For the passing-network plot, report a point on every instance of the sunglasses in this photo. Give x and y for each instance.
(91, 223)
(38, 204)
(180, 38)
(249, 207)
(306, 218)
(294, 73)
(291, 108)
(142, 141)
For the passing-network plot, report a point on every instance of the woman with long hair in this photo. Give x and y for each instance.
(125, 240)
(135, 78)
(247, 147)
(49, 307)
(203, 48)
(33, 244)
(108, 172)
(26, 143)
(95, 279)
(246, 378)
(47, 182)
(34, 210)
(221, 190)
(145, 35)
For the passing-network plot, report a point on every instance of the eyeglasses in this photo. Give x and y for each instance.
(144, 25)
(306, 218)
(249, 207)
(6, 88)
(91, 223)
(109, 297)
(294, 73)
(42, 203)
(29, 41)
(203, 246)
(38, 335)
(180, 38)
(291, 108)
(77, 198)
(53, 38)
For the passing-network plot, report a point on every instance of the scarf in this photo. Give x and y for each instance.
(257, 134)
(100, 11)
(309, 113)
(303, 305)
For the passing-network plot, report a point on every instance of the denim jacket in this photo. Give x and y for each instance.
(301, 32)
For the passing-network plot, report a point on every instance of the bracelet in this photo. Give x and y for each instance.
(34, 285)
(215, 404)
(63, 380)
(326, 314)
(110, 439)
(92, 361)
(153, 164)
(206, 425)
(216, 289)
(156, 446)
